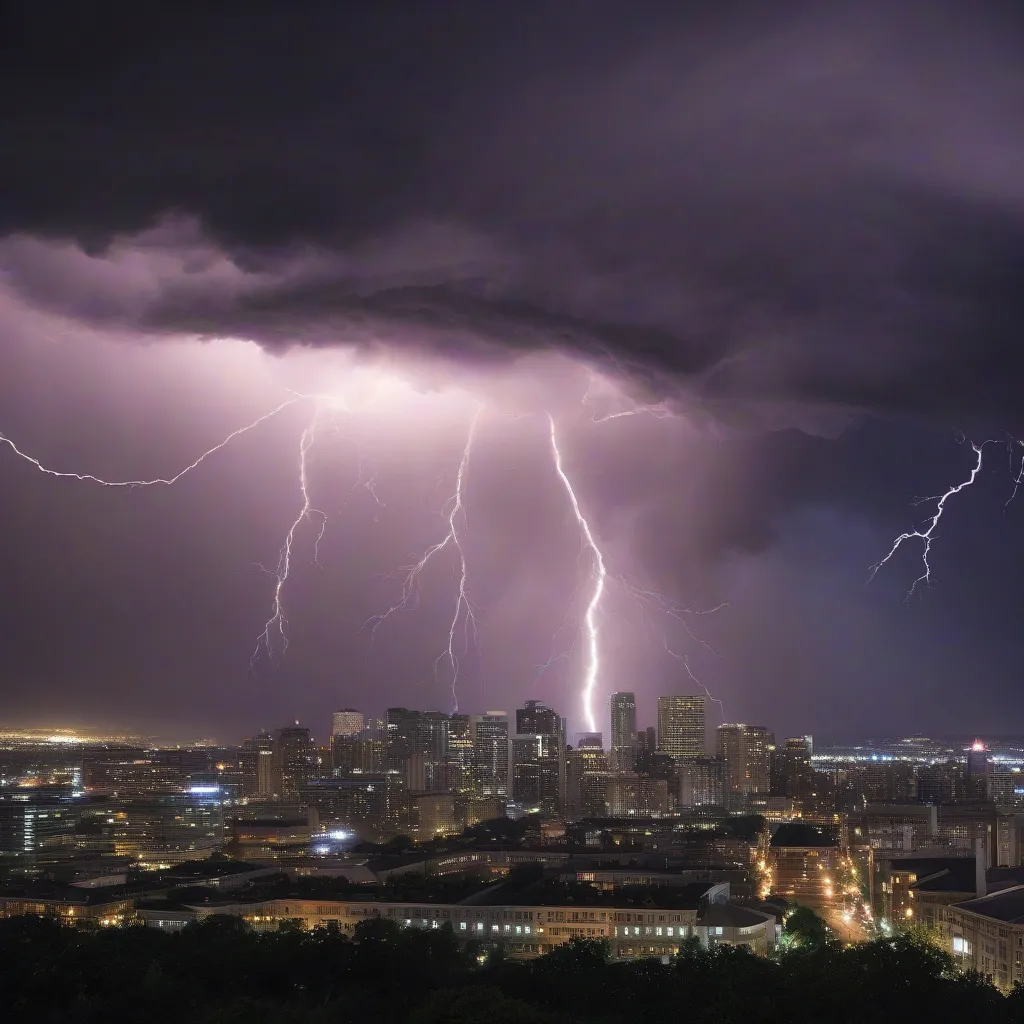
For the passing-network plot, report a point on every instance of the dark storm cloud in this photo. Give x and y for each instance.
(772, 215)
(800, 224)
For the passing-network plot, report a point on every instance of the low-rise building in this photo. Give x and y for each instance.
(987, 935)
(638, 928)
(71, 905)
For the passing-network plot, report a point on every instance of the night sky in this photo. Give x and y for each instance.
(793, 233)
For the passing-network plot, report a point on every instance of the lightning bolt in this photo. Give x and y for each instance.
(277, 623)
(368, 485)
(600, 576)
(1020, 475)
(689, 671)
(927, 535)
(165, 481)
(463, 612)
(658, 410)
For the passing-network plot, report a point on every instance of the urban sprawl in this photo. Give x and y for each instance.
(514, 834)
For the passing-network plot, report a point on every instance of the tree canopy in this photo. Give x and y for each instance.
(220, 971)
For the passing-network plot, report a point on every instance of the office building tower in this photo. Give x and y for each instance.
(458, 755)
(537, 773)
(543, 761)
(623, 733)
(1006, 786)
(161, 829)
(293, 758)
(416, 744)
(701, 782)
(681, 723)
(347, 722)
(490, 736)
(35, 828)
(260, 777)
(633, 796)
(940, 783)
(791, 774)
(745, 749)
(976, 778)
(346, 753)
(537, 718)
(582, 762)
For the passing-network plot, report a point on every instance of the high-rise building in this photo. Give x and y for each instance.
(490, 735)
(537, 758)
(633, 796)
(1006, 786)
(168, 828)
(458, 754)
(416, 743)
(294, 752)
(260, 775)
(582, 762)
(34, 828)
(681, 725)
(537, 772)
(745, 749)
(346, 722)
(623, 722)
(976, 777)
(701, 782)
(940, 783)
(537, 718)
(791, 774)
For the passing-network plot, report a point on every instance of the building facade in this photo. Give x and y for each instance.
(623, 731)
(681, 725)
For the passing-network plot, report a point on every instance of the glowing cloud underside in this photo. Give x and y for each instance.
(600, 576)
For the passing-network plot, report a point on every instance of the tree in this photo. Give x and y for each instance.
(805, 928)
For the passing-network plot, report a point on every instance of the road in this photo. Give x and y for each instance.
(846, 931)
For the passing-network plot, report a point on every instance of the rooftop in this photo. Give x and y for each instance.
(731, 915)
(552, 892)
(212, 869)
(1007, 905)
(797, 835)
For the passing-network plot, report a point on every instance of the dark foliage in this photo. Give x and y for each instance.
(221, 972)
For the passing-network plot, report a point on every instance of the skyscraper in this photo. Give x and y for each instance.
(293, 757)
(745, 751)
(681, 722)
(700, 781)
(623, 722)
(537, 758)
(489, 734)
(260, 776)
(583, 762)
(537, 718)
(976, 779)
(537, 772)
(346, 722)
